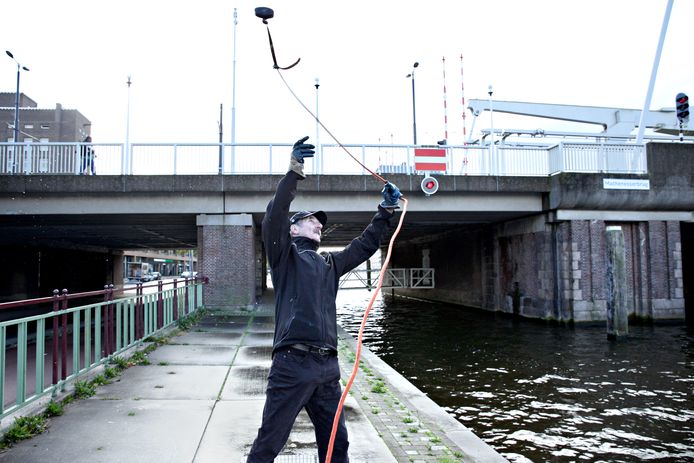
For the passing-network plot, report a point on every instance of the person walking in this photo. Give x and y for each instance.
(305, 372)
(87, 156)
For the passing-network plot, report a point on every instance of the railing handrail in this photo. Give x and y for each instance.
(189, 158)
(98, 292)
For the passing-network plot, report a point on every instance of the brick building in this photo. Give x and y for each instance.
(41, 125)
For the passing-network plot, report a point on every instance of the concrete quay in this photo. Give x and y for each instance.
(200, 400)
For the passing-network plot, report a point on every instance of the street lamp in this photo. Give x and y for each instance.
(16, 96)
(414, 112)
(317, 85)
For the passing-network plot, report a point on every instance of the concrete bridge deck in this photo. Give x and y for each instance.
(201, 398)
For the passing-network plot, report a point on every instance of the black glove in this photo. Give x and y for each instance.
(391, 196)
(300, 151)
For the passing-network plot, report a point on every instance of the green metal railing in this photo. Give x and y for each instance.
(42, 352)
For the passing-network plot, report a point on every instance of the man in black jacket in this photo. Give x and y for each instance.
(305, 371)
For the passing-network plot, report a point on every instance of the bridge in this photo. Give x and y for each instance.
(513, 228)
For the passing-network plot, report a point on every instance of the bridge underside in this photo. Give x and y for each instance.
(175, 231)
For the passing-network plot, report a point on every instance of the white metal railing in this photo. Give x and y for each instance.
(360, 278)
(269, 158)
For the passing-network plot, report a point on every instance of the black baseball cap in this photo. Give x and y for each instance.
(320, 215)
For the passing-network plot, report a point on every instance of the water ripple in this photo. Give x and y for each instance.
(537, 392)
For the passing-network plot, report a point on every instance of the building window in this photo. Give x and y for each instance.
(45, 126)
(28, 126)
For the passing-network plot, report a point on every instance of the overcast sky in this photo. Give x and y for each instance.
(180, 57)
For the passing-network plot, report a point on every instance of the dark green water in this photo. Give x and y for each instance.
(541, 393)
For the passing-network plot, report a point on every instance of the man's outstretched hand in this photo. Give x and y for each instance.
(300, 151)
(391, 196)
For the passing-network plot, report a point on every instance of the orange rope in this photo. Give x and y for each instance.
(336, 420)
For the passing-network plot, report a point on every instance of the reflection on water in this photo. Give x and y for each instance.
(537, 392)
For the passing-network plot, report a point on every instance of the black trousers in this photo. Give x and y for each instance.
(299, 380)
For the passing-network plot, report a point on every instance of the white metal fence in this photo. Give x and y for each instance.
(360, 278)
(264, 158)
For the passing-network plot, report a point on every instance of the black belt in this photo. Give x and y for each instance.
(313, 349)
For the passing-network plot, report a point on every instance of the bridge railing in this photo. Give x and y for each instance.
(41, 352)
(269, 158)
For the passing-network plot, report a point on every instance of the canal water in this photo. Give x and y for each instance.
(537, 392)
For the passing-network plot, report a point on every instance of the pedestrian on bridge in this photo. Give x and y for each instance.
(87, 156)
(305, 372)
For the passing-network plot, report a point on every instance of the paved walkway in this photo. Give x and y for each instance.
(200, 400)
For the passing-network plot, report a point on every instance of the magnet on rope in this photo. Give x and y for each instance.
(264, 13)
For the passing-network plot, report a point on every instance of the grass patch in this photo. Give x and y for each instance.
(24, 427)
(188, 321)
(84, 390)
(100, 380)
(379, 387)
(54, 409)
(139, 358)
(120, 363)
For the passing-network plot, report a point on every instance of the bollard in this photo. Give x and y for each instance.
(617, 320)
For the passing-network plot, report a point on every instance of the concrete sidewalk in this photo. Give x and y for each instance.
(201, 398)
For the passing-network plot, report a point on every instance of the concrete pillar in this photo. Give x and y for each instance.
(617, 321)
(227, 256)
(117, 267)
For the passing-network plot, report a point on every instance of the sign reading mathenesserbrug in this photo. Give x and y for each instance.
(626, 184)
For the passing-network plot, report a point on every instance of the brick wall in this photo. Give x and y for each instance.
(227, 255)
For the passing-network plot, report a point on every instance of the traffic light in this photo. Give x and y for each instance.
(429, 185)
(682, 108)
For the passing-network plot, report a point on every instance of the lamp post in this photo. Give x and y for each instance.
(414, 112)
(16, 97)
(491, 123)
(317, 85)
(233, 98)
(126, 160)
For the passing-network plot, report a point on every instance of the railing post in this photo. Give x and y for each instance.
(109, 324)
(175, 300)
(106, 323)
(112, 309)
(56, 334)
(160, 304)
(63, 334)
(139, 329)
(185, 300)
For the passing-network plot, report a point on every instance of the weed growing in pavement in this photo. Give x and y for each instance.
(54, 409)
(23, 427)
(139, 358)
(110, 372)
(187, 322)
(379, 387)
(120, 363)
(84, 389)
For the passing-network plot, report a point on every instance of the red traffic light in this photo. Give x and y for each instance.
(429, 185)
(682, 107)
